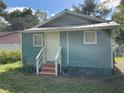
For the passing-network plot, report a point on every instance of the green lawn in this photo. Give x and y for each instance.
(13, 80)
(119, 59)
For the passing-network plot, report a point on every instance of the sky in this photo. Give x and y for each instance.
(51, 6)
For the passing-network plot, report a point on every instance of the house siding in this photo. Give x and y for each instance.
(10, 38)
(10, 41)
(29, 52)
(68, 19)
(87, 55)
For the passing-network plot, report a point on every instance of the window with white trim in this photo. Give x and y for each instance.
(90, 37)
(38, 40)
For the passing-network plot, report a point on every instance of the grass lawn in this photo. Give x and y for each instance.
(13, 80)
(119, 59)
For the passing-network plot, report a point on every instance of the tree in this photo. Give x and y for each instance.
(91, 8)
(3, 24)
(87, 8)
(118, 16)
(41, 15)
(2, 7)
(21, 20)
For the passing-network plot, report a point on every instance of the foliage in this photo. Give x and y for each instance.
(118, 16)
(88, 7)
(20, 20)
(7, 56)
(41, 15)
(2, 7)
(3, 24)
(91, 8)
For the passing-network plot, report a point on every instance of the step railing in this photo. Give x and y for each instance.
(40, 59)
(58, 61)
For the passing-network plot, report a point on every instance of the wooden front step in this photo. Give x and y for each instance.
(49, 65)
(48, 69)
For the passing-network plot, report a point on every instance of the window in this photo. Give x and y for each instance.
(90, 37)
(38, 40)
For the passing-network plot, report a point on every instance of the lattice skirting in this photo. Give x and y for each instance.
(72, 70)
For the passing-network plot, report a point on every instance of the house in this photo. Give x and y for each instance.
(70, 43)
(10, 40)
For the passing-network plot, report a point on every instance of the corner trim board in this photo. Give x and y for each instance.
(21, 47)
(67, 49)
(111, 52)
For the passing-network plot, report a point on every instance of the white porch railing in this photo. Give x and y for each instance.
(40, 59)
(58, 61)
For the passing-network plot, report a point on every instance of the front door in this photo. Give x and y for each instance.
(52, 44)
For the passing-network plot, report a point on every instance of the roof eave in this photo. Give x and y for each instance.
(62, 30)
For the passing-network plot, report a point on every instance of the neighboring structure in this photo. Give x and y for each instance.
(70, 42)
(10, 40)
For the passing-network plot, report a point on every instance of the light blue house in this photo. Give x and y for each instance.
(70, 43)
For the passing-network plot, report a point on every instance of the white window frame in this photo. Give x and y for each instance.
(35, 35)
(90, 42)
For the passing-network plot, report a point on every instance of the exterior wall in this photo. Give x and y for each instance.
(10, 46)
(68, 19)
(10, 38)
(29, 52)
(89, 58)
(10, 41)
(90, 55)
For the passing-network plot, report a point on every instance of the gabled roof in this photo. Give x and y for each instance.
(72, 13)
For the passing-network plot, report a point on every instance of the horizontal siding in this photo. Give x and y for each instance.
(29, 52)
(12, 38)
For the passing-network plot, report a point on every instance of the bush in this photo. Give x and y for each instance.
(7, 56)
(14, 55)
